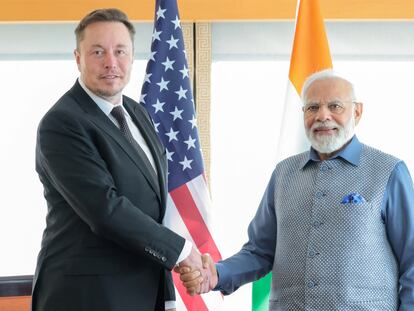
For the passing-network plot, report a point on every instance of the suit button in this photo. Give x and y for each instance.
(312, 254)
(311, 284)
(163, 258)
(317, 223)
(321, 194)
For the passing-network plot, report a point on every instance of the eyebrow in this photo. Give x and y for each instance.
(327, 102)
(100, 46)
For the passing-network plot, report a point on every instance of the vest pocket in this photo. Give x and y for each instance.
(356, 216)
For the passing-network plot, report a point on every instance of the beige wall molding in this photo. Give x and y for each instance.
(197, 40)
(205, 10)
(203, 89)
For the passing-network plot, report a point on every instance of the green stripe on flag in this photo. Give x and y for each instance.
(261, 292)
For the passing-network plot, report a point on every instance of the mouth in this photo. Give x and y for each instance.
(323, 130)
(109, 77)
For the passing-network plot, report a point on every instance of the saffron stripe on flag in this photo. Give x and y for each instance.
(310, 51)
(194, 222)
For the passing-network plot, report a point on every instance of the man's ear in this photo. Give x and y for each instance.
(359, 108)
(77, 57)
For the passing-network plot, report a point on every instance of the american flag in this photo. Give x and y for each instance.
(166, 94)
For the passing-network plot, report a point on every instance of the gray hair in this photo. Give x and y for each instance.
(323, 75)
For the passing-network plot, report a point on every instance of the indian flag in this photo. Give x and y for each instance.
(310, 54)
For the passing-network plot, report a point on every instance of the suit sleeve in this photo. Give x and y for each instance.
(255, 259)
(68, 157)
(169, 291)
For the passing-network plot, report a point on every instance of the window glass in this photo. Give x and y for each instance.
(30, 88)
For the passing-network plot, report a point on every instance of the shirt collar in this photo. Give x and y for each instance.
(103, 104)
(351, 153)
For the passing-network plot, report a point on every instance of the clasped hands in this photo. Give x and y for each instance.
(197, 273)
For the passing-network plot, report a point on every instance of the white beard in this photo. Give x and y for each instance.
(330, 144)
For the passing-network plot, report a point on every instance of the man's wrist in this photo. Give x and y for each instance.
(185, 252)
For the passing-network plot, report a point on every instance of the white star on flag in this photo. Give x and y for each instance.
(147, 77)
(163, 84)
(177, 113)
(156, 125)
(152, 56)
(172, 135)
(172, 42)
(186, 163)
(158, 106)
(184, 71)
(160, 13)
(156, 35)
(176, 23)
(190, 142)
(193, 122)
(181, 93)
(168, 64)
(169, 154)
(142, 98)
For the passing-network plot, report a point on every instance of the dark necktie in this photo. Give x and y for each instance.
(119, 115)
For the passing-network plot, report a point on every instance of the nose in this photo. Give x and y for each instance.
(323, 113)
(110, 61)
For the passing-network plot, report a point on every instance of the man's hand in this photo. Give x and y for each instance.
(209, 264)
(194, 265)
(192, 281)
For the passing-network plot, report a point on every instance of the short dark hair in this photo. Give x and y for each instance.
(103, 15)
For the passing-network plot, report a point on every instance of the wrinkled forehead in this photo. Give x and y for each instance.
(329, 89)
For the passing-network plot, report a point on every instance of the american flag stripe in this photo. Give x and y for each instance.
(194, 222)
(198, 188)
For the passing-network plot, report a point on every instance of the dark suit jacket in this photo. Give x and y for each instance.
(104, 247)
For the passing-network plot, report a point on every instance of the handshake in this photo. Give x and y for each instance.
(197, 273)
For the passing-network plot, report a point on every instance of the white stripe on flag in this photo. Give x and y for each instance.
(198, 189)
(173, 220)
(292, 134)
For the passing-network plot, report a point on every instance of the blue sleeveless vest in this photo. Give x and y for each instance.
(332, 253)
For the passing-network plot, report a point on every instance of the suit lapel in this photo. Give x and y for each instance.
(144, 124)
(105, 124)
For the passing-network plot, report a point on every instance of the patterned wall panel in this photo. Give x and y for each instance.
(202, 87)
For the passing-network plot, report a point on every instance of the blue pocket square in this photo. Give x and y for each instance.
(353, 197)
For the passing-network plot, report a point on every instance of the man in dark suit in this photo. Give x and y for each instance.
(103, 170)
